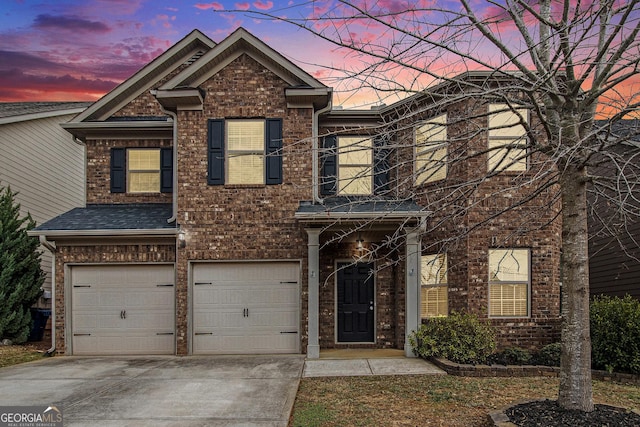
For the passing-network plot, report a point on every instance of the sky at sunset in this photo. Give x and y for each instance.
(72, 50)
(78, 50)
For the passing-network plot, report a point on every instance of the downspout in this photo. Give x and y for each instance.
(84, 167)
(52, 248)
(314, 150)
(174, 117)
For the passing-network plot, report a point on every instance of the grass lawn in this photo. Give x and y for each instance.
(423, 400)
(14, 354)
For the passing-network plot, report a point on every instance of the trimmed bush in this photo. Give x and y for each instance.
(459, 337)
(511, 356)
(615, 334)
(549, 355)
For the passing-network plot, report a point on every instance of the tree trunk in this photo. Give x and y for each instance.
(575, 365)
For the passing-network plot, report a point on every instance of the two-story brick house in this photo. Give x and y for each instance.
(230, 209)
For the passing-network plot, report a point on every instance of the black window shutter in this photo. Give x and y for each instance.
(328, 181)
(215, 167)
(380, 166)
(273, 162)
(118, 170)
(166, 170)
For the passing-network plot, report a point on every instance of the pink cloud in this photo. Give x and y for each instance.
(213, 5)
(19, 86)
(242, 6)
(259, 4)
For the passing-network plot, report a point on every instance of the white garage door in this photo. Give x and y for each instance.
(123, 309)
(241, 308)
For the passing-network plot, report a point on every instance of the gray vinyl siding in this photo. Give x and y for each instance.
(41, 161)
(611, 270)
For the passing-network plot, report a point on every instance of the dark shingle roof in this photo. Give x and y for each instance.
(12, 109)
(344, 206)
(113, 217)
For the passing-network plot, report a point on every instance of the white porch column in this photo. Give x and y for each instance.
(412, 290)
(313, 345)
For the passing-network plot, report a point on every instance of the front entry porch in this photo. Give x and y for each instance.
(363, 276)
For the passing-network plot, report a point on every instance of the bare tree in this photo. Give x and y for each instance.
(567, 62)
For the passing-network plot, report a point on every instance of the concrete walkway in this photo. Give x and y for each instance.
(337, 363)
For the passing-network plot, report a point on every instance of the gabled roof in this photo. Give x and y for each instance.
(194, 44)
(111, 220)
(11, 112)
(238, 43)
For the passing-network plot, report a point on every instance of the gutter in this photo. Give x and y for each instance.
(314, 151)
(52, 248)
(154, 232)
(354, 216)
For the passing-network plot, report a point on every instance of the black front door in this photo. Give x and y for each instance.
(355, 302)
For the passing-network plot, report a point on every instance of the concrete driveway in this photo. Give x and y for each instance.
(159, 391)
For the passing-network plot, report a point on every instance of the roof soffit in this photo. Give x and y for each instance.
(144, 79)
(238, 43)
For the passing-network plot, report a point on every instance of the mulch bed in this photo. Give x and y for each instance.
(547, 413)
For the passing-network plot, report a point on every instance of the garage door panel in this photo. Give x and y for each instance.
(115, 311)
(111, 345)
(246, 307)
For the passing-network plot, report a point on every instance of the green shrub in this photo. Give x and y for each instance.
(615, 334)
(511, 356)
(460, 337)
(20, 273)
(549, 355)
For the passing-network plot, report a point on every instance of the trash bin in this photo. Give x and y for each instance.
(39, 316)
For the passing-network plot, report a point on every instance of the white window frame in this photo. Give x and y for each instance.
(143, 171)
(434, 276)
(503, 255)
(507, 132)
(230, 153)
(435, 141)
(346, 184)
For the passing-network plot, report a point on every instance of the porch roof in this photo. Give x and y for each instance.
(111, 220)
(350, 209)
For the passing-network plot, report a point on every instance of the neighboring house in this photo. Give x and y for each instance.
(225, 215)
(40, 161)
(614, 241)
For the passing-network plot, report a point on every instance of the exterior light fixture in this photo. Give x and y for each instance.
(182, 243)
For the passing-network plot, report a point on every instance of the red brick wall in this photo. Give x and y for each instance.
(235, 222)
(98, 186)
(472, 214)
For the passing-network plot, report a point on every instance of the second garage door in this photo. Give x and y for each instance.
(242, 308)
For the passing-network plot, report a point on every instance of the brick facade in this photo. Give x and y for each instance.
(257, 222)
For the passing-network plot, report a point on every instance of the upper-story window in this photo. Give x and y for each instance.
(506, 130)
(431, 150)
(355, 165)
(245, 151)
(141, 170)
(509, 282)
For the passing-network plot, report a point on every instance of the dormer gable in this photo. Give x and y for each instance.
(186, 51)
(303, 90)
